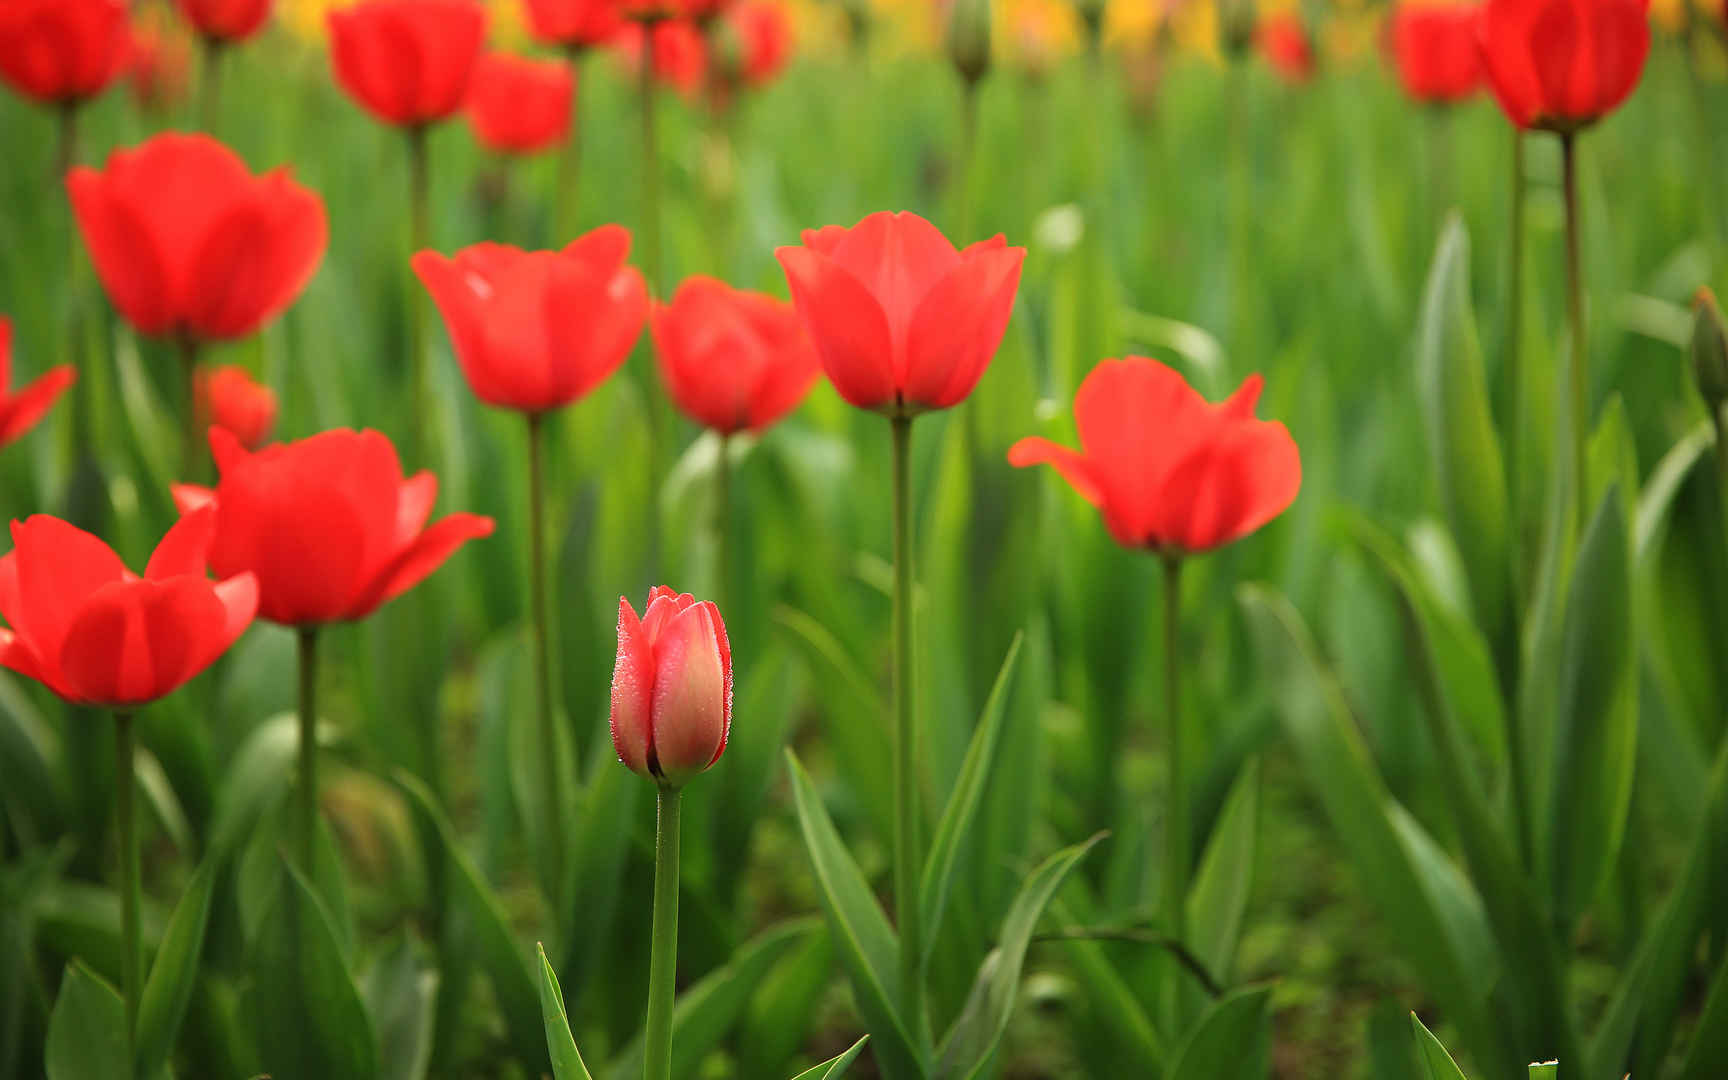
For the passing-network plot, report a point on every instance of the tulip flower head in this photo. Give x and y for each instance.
(519, 106)
(1434, 49)
(230, 398)
(188, 243)
(732, 360)
(535, 330)
(95, 633)
(19, 412)
(62, 51)
(226, 20)
(328, 524)
(680, 54)
(1561, 65)
(407, 62)
(902, 321)
(671, 688)
(1284, 43)
(1170, 471)
(751, 44)
(573, 24)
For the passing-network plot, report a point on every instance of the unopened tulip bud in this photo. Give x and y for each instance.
(671, 688)
(969, 38)
(1709, 350)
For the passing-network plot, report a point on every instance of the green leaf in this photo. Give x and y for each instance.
(28, 749)
(567, 1063)
(868, 947)
(1233, 1041)
(836, 1066)
(958, 816)
(1709, 1047)
(401, 990)
(1219, 897)
(305, 1008)
(174, 972)
(1544, 1070)
(1656, 499)
(1116, 1007)
(256, 779)
(1597, 733)
(972, 1041)
(1436, 1062)
(86, 1030)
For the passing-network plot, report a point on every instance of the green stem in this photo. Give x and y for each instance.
(419, 239)
(570, 161)
(83, 391)
(1440, 160)
(543, 657)
(723, 526)
(650, 166)
(308, 747)
(189, 456)
(1176, 812)
(210, 92)
(131, 958)
(1515, 466)
(1580, 346)
(663, 959)
(1721, 426)
(906, 860)
(968, 152)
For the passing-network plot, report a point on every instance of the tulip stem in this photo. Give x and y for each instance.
(549, 755)
(1515, 458)
(189, 408)
(650, 164)
(84, 390)
(968, 151)
(1176, 812)
(210, 93)
(308, 748)
(570, 161)
(131, 960)
(906, 860)
(1580, 351)
(419, 239)
(663, 959)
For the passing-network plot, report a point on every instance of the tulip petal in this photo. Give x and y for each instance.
(689, 704)
(189, 498)
(21, 412)
(1070, 464)
(133, 642)
(632, 692)
(59, 566)
(958, 327)
(1229, 487)
(185, 549)
(255, 259)
(603, 249)
(898, 258)
(583, 353)
(133, 271)
(238, 596)
(414, 506)
(1240, 405)
(725, 645)
(846, 325)
(460, 288)
(428, 552)
(16, 655)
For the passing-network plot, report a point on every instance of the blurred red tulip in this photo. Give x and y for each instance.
(1434, 48)
(230, 398)
(732, 360)
(1561, 65)
(517, 105)
(226, 20)
(407, 62)
(328, 524)
(158, 67)
(573, 24)
(1284, 43)
(188, 242)
(1171, 471)
(19, 412)
(671, 687)
(680, 53)
(902, 321)
(62, 51)
(535, 330)
(95, 633)
(753, 42)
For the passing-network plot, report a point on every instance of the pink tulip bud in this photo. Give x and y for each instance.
(671, 688)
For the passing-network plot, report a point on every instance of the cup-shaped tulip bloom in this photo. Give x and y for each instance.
(1561, 65)
(517, 105)
(20, 410)
(228, 397)
(671, 687)
(680, 55)
(226, 20)
(573, 24)
(328, 524)
(732, 360)
(1434, 48)
(95, 633)
(407, 62)
(752, 43)
(62, 51)
(188, 243)
(1284, 43)
(1169, 470)
(902, 321)
(535, 330)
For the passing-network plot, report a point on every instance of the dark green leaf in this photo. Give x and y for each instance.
(87, 1029)
(1435, 1060)
(1219, 897)
(400, 991)
(174, 972)
(567, 1063)
(1233, 1041)
(836, 1066)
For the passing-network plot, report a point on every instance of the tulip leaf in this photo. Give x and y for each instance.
(174, 972)
(836, 1066)
(1544, 1070)
(567, 1063)
(962, 809)
(256, 779)
(1233, 1040)
(1437, 1064)
(782, 1011)
(28, 749)
(1218, 899)
(1709, 1047)
(86, 1030)
(972, 1041)
(401, 990)
(1118, 1009)
(868, 947)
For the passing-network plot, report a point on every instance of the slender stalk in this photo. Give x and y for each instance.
(968, 152)
(1515, 466)
(906, 859)
(131, 958)
(1580, 346)
(1721, 426)
(650, 165)
(210, 88)
(723, 526)
(554, 823)
(66, 150)
(308, 747)
(419, 238)
(1176, 813)
(663, 960)
(189, 455)
(570, 161)
(83, 391)
(1440, 160)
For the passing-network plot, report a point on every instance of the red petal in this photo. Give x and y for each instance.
(898, 258)
(1229, 487)
(19, 413)
(846, 325)
(958, 327)
(185, 549)
(426, 554)
(602, 250)
(190, 497)
(1071, 464)
(690, 692)
(131, 268)
(255, 260)
(59, 566)
(632, 692)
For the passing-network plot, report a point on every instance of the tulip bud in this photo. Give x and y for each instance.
(671, 688)
(1709, 350)
(969, 38)
(1237, 20)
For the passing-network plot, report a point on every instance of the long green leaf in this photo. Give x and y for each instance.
(1219, 898)
(86, 1030)
(174, 971)
(401, 992)
(1436, 1062)
(836, 1066)
(1709, 1047)
(1233, 1041)
(567, 1063)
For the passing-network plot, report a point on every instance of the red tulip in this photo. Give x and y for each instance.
(671, 688)
(1561, 65)
(19, 412)
(901, 320)
(1285, 45)
(1170, 471)
(1435, 51)
(226, 20)
(62, 51)
(328, 524)
(680, 53)
(732, 360)
(573, 24)
(230, 398)
(97, 634)
(407, 62)
(535, 330)
(158, 67)
(188, 242)
(754, 42)
(517, 105)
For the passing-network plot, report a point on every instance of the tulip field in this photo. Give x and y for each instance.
(759, 539)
